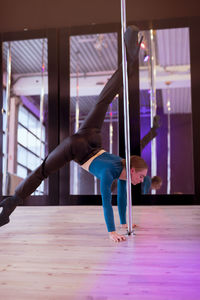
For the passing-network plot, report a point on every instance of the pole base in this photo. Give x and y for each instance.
(130, 232)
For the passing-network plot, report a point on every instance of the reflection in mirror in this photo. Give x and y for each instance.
(93, 59)
(165, 108)
(25, 104)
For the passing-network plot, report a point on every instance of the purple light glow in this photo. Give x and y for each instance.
(146, 58)
(114, 113)
(30, 106)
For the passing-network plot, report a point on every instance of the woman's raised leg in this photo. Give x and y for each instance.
(96, 117)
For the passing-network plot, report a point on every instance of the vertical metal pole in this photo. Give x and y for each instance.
(42, 106)
(42, 100)
(153, 102)
(95, 186)
(77, 110)
(126, 116)
(110, 130)
(168, 143)
(8, 84)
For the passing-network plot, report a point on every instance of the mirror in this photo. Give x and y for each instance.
(165, 91)
(25, 108)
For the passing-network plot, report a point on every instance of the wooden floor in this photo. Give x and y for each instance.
(65, 253)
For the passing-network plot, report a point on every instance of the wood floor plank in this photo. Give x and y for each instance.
(65, 253)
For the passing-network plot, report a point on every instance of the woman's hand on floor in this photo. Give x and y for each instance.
(116, 237)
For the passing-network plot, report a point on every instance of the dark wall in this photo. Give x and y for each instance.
(15, 15)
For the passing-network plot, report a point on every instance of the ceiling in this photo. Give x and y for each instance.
(37, 14)
(93, 59)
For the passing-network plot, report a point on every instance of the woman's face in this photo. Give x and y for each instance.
(137, 177)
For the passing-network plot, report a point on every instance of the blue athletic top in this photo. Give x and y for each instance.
(146, 185)
(108, 167)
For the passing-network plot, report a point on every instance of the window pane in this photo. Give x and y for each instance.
(21, 155)
(23, 116)
(43, 134)
(31, 163)
(31, 142)
(21, 171)
(22, 136)
(42, 151)
(37, 161)
(32, 124)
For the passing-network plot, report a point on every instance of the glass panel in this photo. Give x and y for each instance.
(23, 116)
(31, 162)
(165, 90)
(22, 155)
(24, 143)
(32, 142)
(32, 124)
(21, 171)
(93, 59)
(22, 136)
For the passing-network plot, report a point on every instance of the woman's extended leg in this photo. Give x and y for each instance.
(65, 152)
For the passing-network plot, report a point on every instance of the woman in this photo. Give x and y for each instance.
(85, 148)
(149, 184)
